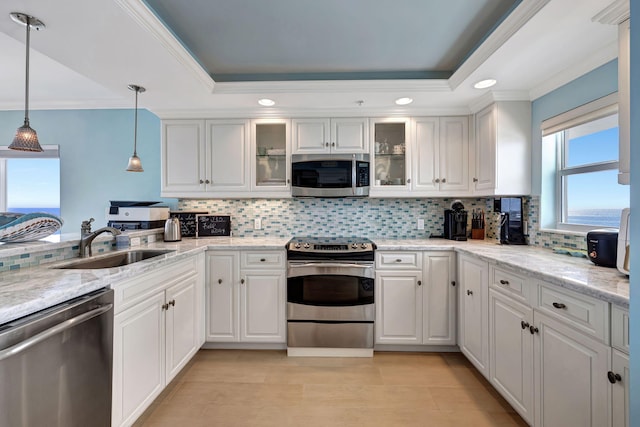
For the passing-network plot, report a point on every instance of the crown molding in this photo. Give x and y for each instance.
(512, 23)
(614, 14)
(495, 96)
(592, 61)
(141, 13)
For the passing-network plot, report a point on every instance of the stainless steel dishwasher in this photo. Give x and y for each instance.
(55, 365)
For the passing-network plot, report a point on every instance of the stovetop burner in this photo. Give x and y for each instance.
(330, 248)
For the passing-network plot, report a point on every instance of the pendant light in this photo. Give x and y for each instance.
(26, 138)
(134, 161)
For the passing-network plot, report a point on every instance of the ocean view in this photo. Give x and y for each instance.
(52, 211)
(598, 217)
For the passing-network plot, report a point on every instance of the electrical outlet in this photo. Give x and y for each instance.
(151, 238)
(257, 224)
(135, 241)
(420, 224)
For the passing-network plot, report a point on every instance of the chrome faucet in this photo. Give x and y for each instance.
(87, 236)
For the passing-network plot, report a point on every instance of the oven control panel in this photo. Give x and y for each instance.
(311, 247)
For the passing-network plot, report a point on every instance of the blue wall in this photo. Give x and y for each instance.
(95, 146)
(635, 230)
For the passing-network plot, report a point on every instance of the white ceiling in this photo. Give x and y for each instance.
(92, 49)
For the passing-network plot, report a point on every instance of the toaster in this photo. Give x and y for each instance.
(602, 247)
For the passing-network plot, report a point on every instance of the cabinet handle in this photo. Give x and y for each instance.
(444, 180)
(288, 181)
(262, 260)
(533, 330)
(206, 181)
(326, 144)
(524, 324)
(201, 181)
(219, 281)
(419, 282)
(165, 307)
(333, 144)
(453, 283)
(172, 302)
(242, 281)
(613, 378)
(475, 179)
(469, 292)
(437, 180)
(408, 180)
(559, 305)
(504, 282)
(398, 260)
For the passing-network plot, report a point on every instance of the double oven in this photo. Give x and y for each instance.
(330, 293)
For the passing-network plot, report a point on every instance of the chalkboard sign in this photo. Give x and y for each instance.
(213, 225)
(187, 221)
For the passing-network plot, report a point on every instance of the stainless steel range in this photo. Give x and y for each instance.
(330, 297)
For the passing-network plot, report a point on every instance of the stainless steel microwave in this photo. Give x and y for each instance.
(330, 175)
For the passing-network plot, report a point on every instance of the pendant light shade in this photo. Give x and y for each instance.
(135, 165)
(26, 138)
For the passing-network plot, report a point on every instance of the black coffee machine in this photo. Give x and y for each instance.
(512, 228)
(455, 222)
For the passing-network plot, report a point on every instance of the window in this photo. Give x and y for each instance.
(30, 182)
(587, 193)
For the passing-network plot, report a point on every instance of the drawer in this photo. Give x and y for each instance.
(583, 312)
(262, 259)
(399, 260)
(512, 284)
(620, 328)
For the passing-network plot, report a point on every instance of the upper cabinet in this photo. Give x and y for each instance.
(183, 157)
(391, 154)
(337, 135)
(503, 149)
(226, 155)
(270, 156)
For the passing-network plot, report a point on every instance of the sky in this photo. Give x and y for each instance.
(33, 183)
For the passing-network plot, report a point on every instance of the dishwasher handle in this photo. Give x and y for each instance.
(60, 327)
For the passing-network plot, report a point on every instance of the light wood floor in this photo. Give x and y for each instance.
(266, 388)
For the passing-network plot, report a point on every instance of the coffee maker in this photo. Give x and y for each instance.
(455, 222)
(512, 224)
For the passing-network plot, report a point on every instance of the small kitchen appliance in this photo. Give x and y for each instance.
(512, 224)
(136, 215)
(602, 247)
(623, 242)
(455, 222)
(330, 175)
(172, 231)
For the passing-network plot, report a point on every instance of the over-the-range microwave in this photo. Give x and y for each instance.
(330, 175)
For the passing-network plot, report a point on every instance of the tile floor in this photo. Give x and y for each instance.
(266, 388)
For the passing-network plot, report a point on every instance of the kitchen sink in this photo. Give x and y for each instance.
(115, 260)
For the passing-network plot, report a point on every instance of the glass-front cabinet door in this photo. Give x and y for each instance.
(271, 152)
(390, 152)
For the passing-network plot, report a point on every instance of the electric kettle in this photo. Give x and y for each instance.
(172, 231)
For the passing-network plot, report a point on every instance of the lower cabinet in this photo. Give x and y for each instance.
(246, 296)
(415, 298)
(619, 378)
(157, 329)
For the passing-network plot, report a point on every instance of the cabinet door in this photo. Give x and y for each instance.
(262, 296)
(182, 330)
(426, 168)
(439, 299)
(620, 394)
(454, 154)
(511, 352)
(270, 156)
(571, 386)
(392, 151)
(222, 297)
(350, 135)
(474, 338)
(485, 178)
(398, 307)
(227, 155)
(310, 136)
(183, 156)
(138, 358)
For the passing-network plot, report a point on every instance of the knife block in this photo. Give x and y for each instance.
(477, 233)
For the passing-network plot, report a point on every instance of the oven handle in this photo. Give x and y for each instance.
(330, 268)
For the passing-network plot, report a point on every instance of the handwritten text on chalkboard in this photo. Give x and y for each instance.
(213, 225)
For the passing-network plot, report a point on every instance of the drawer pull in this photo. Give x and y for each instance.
(220, 281)
(613, 378)
(504, 282)
(398, 260)
(262, 260)
(533, 330)
(559, 305)
(469, 292)
(524, 324)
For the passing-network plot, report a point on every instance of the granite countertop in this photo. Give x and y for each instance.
(28, 290)
(578, 274)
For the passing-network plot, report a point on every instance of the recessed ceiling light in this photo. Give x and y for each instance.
(483, 84)
(266, 102)
(404, 101)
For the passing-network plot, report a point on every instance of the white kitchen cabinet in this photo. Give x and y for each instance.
(571, 385)
(156, 331)
(415, 298)
(391, 157)
(246, 297)
(227, 154)
(183, 157)
(511, 352)
(335, 135)
(473, 276)
(502, 149)
(440, 156)
(271, 157)
(620, 377)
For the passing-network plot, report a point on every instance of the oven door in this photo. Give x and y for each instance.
(330, 291)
